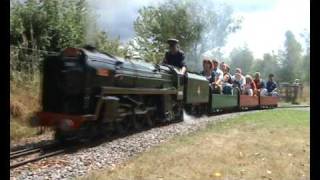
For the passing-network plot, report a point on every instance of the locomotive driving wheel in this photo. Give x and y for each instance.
(122, 127)
(149, 121)
(179, 112)
(137, 123)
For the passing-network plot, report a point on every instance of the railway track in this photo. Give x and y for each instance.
(24, 156)
(28, 155)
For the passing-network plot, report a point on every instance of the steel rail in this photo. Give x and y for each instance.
(37, 158)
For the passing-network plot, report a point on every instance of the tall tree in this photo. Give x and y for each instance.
(241, 58)
(306, 59)
(291, 65)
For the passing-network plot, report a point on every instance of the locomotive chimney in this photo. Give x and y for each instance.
(90, 47)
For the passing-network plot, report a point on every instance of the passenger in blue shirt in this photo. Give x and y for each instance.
(272, 86)
(218, 74)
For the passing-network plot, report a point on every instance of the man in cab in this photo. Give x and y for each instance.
(175, 57)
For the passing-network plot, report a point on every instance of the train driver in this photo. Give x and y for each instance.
(175, 56)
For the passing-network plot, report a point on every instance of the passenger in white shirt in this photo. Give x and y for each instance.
(241, 80)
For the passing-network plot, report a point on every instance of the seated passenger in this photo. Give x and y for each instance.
(226, 70)
(272, 86)
(207, 70)
(218, 74)
(240, 79)
(227, 84)
(221, 66)
(261, 88)
(237, 81)
(249, 87)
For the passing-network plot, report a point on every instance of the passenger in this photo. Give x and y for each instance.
(241, 80)
(207, 70)
(260, 84)
(296, 82)
(175, 56)
(249, 87)
(227, 84)
(226, 69)
(237, 82)
(222, 66)
(218, 74)
(272, 86)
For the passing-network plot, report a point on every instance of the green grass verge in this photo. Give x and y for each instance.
(271, 144)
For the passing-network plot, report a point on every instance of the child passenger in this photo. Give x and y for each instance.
(227, 84)
(237, 81)
(249, 87)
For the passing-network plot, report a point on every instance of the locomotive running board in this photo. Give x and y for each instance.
(145, 91)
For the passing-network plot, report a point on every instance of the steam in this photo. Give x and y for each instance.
(213, 37)
(189, 119)
(91, 33)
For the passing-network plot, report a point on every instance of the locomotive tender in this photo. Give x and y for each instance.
(87, 91)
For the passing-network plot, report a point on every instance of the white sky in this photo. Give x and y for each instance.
(264, 30)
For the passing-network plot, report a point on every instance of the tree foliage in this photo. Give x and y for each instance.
(292, 61)
(55, 24)
(241, 58)
(198, 25)
(306, 60)
(269, 64)
(287, 64)
(48, 24)
(106, 44)
(51, 25)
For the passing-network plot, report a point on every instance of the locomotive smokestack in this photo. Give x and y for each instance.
(90, 47)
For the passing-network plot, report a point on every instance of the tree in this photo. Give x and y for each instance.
(55, 24)
(306, 59)
(269, 64)
(105, 44)
(241, 58)
(199, 26)
(48, 24)
(51, 25)
(291, 64)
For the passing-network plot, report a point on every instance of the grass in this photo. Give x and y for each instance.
(24, 101)
(19, 130)
(270, 144)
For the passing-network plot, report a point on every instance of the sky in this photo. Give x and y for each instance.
(262, 30)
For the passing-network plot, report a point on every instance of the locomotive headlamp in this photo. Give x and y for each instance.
(103, 72)
(66, 124)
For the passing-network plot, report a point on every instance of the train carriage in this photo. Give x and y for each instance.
(268, 101)
(221, 102)
(248, 102)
